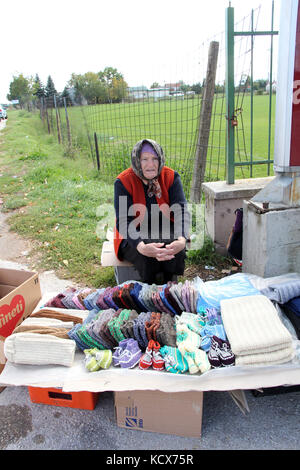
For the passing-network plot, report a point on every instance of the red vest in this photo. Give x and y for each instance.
(133, 184)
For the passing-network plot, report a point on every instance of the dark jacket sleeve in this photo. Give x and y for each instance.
(181, 213)
(122, 202)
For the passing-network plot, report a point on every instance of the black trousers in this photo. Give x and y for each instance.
(151, 270)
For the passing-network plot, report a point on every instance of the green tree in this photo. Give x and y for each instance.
(38, 89)
(114, 83)
(50, 90)
(65, 94)
(197, 87)
(19, 89)
(89, 87)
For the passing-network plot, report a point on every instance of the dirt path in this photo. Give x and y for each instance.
(15, 254)
(12, 246)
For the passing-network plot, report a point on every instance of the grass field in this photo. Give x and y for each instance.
(174, 124)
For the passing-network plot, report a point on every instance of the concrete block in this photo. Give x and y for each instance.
(221, 200)
(271, 241)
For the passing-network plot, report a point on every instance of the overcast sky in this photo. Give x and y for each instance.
(145, 41)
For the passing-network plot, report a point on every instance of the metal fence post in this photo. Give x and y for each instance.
(229, 90)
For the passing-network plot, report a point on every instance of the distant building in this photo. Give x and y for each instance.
(138, 92)
(158, 92)
(274, 87)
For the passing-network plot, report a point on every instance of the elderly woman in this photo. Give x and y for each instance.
(152, 220)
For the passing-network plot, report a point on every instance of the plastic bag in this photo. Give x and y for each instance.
(212, 292)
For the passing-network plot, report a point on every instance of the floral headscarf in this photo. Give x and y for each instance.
(153, 184)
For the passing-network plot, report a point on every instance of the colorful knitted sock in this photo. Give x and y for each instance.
(158, 362)
(186, 337)
(174, 360)
(96, 360)
(146, 359)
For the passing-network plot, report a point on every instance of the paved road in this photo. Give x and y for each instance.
(273, 423)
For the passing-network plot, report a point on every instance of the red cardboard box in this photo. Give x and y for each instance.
(56, 397)
(20, 293)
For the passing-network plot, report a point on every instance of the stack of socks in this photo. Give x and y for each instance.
(139, 329)
(166, 331)
(152, 325)
(127, 325)
(114, 325)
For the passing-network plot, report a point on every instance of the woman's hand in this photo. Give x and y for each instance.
(161, 252)
(155, 250)
(177, 245)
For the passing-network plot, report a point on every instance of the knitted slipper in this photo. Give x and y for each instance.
(158, 362)
(146, 359)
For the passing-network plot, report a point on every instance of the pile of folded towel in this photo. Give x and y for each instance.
(255, 332)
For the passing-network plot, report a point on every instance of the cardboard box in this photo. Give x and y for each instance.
(20, 292)
(155, 411)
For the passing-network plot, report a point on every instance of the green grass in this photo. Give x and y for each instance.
(59, 197)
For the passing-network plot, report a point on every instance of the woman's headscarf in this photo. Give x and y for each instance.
(153, 184)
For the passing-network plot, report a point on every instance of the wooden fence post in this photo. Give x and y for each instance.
(57, 121)
(47, 116)
(68, 122)
(204, 124)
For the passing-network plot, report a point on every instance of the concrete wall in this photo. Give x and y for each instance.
(271, 241)
(221, 200)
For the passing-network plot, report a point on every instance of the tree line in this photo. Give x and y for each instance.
(106, 86)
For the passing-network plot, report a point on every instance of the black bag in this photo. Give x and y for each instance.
(235, 241)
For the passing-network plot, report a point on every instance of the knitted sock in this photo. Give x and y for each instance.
(75, 300)
(174, 360)
(186, 337)
(73, 335)
(158, 362)
(146, 359)
(95, 359)
(190, 358)
(127, 326)
(68, 302)
(213, 354)
(166, 332)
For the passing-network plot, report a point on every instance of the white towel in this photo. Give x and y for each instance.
(253, 326)
(39, 349)
(270, 358)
